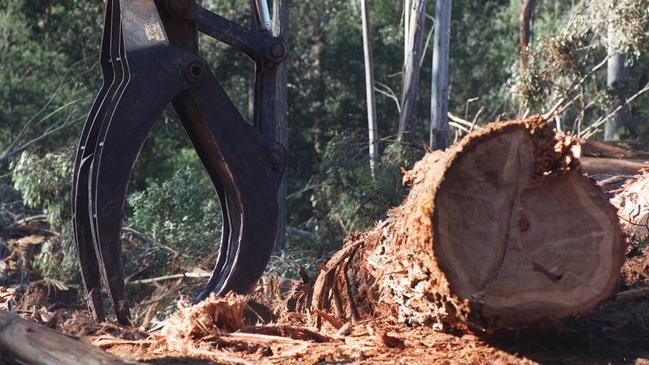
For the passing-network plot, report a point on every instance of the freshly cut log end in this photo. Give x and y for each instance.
(523, 247)
(500, 231)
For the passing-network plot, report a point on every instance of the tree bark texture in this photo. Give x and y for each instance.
(439, 81)
(280, 28)
(615, 78)
(525, 31)
(502, 230)
(369, 88)
(632, 202)
(34, 344)
(414, 34)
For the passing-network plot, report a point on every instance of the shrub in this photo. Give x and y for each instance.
(181, 212)
(9, 202)
(44, 183)
(347, 198)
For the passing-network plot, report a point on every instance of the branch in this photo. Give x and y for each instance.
(146, 239)
(388, 92)
(14, 151)
(47, 104)
(171, 277)
(559, 105)
(458, 120)
(593, 128)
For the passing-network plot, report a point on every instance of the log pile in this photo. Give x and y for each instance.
(500, 231)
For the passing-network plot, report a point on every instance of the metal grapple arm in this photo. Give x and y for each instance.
(149, 59)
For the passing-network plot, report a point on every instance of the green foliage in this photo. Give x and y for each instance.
(9, 201)
(45, 184)
(483, 54)
(180, 212)
(303, 250)
(58, 258)
(346, 197)
(48, 63)
(569, 62)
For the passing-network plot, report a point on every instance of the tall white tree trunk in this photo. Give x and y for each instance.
(280, 28)
(406, 28)
(414, 44)
(439, 82)
(369, 88)
(614, 80)
(525, 31)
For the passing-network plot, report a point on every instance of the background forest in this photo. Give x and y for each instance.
(49, 75)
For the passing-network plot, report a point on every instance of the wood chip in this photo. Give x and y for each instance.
(391, 341)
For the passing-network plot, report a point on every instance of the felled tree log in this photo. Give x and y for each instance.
(609, 149)
(34, 344)
(608, 158)
(632, 201)
(612, 166)
(499, 231)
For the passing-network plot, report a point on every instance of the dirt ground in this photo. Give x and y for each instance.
(259, 329)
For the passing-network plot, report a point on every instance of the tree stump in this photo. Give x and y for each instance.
(499, 231)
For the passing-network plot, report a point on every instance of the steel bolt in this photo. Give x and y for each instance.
(277, 50)
(196, 71)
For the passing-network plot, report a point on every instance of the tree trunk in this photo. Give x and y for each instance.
(499, 231)
(280, 28)
(369, 88)
(47, 26)
(34, 344)
(439, 81)
(615, 78)
(407, 4)
(414, 35)
(525, 31)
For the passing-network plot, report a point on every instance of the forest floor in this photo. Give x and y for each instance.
(260, 329)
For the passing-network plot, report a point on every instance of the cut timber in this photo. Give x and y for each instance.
(34, 344)
(499, 231)
(597, 165)
(608, 158)
(632, 201)
(609, 149)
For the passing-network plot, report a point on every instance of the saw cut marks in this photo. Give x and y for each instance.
(476, 209)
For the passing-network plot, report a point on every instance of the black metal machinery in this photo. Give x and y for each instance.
(149, 58)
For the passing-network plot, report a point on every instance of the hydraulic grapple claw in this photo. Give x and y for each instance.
(113, 78)
(149, 59)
